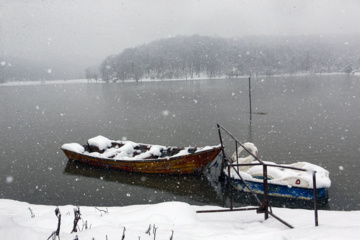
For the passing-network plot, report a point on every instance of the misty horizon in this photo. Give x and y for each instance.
(81, 34)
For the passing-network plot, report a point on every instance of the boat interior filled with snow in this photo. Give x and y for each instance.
(284, 180)
(144, 158)
(299, 180)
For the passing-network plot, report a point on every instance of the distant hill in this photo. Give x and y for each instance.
(19, 69)
(186, 57)
(16, 69)
(192, 56)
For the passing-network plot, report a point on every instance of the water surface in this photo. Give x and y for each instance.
(310, 118)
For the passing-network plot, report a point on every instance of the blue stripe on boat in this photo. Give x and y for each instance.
(280, 190)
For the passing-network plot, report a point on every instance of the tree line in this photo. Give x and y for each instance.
(186, 57)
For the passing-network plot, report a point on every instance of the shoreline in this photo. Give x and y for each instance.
(82, 81)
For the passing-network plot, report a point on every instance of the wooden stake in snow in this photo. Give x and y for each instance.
(123, 236)
(148, 231)
(76, 219)
(32, 214)
(154, 231)
(172, 235)
(57, 232)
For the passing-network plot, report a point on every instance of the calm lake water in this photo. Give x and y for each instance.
(309, 118)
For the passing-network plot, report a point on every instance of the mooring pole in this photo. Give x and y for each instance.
(315, 200)
(266, 196)
(230, 190)
(223, 153)
(250, 98)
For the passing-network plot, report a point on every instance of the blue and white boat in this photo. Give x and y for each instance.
(286, 180)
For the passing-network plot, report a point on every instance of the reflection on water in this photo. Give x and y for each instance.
(312, 118)
(196, 189)
(242, 199)
(201, 190)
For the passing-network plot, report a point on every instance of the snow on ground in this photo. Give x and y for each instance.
(20, 220)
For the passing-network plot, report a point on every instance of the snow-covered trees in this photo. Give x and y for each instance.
(91, 74)
(189, 57)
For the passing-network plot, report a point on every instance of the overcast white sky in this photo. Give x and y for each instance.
(90, 30)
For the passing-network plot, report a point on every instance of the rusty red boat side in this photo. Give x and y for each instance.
(194, 163)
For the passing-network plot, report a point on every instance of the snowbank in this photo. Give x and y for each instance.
(20, 220)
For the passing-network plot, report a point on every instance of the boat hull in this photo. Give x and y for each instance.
(281, 190)
(187, 164)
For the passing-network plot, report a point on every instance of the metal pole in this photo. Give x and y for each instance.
(236, 152)
(265, 205)
(249, 152)
(315, 200)
(250, 98)
(229, 183)
(266, 197)
(280, 220)
(226, 210)
(223, 152)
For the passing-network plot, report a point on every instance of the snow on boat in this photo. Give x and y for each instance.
(143, 158)
(282, 181)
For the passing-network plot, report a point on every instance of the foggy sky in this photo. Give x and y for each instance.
(84, 32)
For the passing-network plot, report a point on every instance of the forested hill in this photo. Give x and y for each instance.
(190, 56)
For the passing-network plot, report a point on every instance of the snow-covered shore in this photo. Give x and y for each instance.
(47, 82)
(20, 220)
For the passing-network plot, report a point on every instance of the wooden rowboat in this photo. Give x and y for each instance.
(143, 158)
